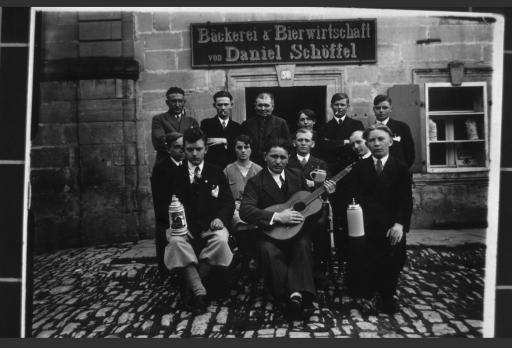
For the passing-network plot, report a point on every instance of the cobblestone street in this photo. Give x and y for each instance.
(86, 293)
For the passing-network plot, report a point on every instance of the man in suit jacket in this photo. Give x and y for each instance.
(302, 160)
(264, 126)
(335, 149)
(221, 131)
(334, 136)
(382, 186)
(174, 120)
(287, 265)
(403, 144)
(204, 192)
(162, 181)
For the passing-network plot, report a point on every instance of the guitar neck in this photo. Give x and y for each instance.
(319, 191)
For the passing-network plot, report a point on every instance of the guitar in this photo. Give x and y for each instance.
(308, 203)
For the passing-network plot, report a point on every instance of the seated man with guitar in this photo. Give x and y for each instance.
(277, 201)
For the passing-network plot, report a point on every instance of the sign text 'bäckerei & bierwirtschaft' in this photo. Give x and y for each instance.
(295, 42)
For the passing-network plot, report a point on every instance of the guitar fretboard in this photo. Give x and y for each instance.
(316, 193)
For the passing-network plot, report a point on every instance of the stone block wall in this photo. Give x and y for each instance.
(92, 157)
(404, 44)
(84, 157)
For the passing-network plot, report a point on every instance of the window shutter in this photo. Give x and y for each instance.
(406, 108)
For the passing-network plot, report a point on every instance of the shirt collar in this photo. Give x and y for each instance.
(276, 176)
(175, 162)
(383, 160)
(178, 115)
(366, 155)
(340, 119)
(192, 168)
(300, 158)
(221, 120)
(385, 122)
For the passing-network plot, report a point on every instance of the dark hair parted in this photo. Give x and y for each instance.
(222, 94)
(339, 96)
(381, 98)
(373, 127)
(172, 137)
(244, 139)
(192, 135)
(277, 142)
(174, 90)
(309, 113)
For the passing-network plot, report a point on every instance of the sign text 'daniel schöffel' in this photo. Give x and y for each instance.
(269, 43)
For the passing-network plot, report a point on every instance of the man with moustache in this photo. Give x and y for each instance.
(221, 131)
(264, 126)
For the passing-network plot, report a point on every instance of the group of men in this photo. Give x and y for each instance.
(189, 164)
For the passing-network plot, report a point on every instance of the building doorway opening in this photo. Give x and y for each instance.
(289, 101)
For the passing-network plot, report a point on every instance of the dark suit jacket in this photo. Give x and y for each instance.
(385, 199)
(207, 207)
(331, 143)
(274, 127)
(162, 180)
(162, 124)
(221, 155)
(262, 191)
(402, 150)
(311, 165)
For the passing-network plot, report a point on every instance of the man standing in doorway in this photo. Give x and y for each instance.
(264, 126)
(221, 131)
(174, 120)
(403, 144)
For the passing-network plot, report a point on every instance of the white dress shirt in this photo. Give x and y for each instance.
(192, 169)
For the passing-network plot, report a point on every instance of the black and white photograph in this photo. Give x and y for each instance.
(263, 173)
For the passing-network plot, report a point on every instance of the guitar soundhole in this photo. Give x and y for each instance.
(299, 206)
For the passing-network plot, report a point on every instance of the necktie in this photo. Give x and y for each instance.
(303, 162)
(281, 179)
(379, 167)
(197, 175)
(223, 124)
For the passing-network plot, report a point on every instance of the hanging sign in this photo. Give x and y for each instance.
(294, 42)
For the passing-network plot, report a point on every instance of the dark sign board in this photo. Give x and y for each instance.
(293, 42)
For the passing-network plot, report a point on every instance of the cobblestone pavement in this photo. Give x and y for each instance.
(85, 293)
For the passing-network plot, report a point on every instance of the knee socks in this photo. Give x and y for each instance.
(194, 281)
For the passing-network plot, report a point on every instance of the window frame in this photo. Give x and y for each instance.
(450, 149)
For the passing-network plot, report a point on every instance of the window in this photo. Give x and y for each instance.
(456, 126)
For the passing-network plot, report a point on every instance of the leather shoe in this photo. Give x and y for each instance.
(199, 305)
(388, 306)
(294, 308)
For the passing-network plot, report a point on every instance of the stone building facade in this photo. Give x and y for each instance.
(100, 77)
